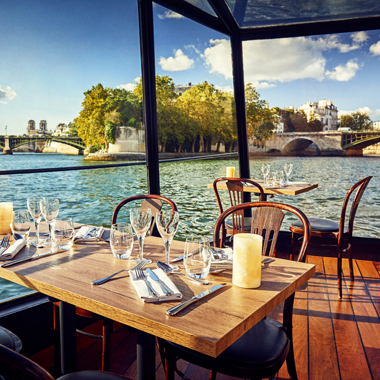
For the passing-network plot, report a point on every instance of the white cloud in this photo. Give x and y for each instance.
(343, 73)
(375, 48)
(333, 42)
(129, 86)
(370, 112)
(224, 88)
(6, 94)
(169, 14)
(359, 37)
(179, 62)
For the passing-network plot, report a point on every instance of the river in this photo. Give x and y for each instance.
(90, 196)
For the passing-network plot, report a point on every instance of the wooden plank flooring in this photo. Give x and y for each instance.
(333, 339)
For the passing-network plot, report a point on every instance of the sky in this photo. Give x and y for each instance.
(51, 52)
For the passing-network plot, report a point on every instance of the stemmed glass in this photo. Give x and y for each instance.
(265, 168)
(167, 224)
(34, 207)
(21, 223)
(141, 218)
(288, 169)
(49, 209)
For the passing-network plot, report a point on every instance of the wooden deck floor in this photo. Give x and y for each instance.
(333, 339)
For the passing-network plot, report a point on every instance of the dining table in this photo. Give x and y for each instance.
(209, 326)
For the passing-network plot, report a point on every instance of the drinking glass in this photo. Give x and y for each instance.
(197, 256)
(63, 233)
(21, 223)
(121, 240)
(49, 209)
(265, 168)
(271, 179)
(141, 218)
(288, 169)
(280, 177)
(167, 224)
(34, 207)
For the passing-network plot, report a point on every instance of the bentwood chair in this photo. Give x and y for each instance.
(152, 201)
(261, 351)
(238, 223)
(326, 228)
(17, 367)
(10, 340)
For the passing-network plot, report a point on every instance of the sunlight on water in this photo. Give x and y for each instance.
(91, 196)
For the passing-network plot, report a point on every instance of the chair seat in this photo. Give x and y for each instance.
(247, 224)
(10, 340)
(318, 224)
(91, 375)
(264, 346)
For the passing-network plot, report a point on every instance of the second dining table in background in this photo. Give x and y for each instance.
(68, 276)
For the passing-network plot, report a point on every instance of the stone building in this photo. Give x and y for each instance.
(324, 111)
(31, 128)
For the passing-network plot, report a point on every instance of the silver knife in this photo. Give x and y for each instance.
(154, 277)
(179, 258)
(176, 309)
(31, 258)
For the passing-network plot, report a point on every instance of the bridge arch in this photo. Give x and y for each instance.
(300, 146)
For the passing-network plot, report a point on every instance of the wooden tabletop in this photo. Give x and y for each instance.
(294, 188)
(208, 326)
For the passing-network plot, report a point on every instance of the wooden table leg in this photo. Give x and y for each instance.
(146, 356)
(68, 337)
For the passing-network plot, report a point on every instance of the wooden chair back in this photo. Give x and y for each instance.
(358, 189)
(235, 190)
(266, 222)
(19, 367)
(152, 201)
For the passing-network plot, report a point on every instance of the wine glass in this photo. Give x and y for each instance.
(121, 240)
(141, 218)
(34, 207)
(288, 169)
(265, 168)
(49, 209)
(63, 233)
(167, 224)
(21, 223)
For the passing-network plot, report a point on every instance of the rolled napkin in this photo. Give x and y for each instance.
(85, 230)
(223, 263)
(13, 249)
(142, 289)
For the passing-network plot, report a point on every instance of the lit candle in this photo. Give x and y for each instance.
(230, 170)
(6, 211)
(247, 260)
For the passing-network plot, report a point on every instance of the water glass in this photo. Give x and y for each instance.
(271, 179)
(141, 219)
(63, 233)
(280, 177)
(21, 223)
(34, 207)
(197, 256)
(121, 240)
(49, 209)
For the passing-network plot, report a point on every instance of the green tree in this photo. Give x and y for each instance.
(362, 121)
(73, 128)
(347, 121)
(91, 118)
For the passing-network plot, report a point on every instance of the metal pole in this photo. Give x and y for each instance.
(149, 93)
(146, 356)
(68, 337)
(241, 116)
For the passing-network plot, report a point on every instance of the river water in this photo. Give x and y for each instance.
(90, 196)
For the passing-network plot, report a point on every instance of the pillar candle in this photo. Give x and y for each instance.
(6, 211)
(247, 260)
(230, 170)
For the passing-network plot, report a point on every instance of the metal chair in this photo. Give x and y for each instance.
(261, 351)
(329, 229)
(152, 201)
(18, 367)
(238, 223)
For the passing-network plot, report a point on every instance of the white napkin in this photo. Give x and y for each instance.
(84, 230)
(13, 250)
(142, 289)
(223, 263)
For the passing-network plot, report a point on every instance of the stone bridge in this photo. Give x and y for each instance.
(8, 143)
(328, 143)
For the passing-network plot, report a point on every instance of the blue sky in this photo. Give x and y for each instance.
(53, 51)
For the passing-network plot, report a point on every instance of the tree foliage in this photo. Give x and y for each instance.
(357, 121)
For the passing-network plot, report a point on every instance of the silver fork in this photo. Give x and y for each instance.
(4, 243)
(140, 265)
(140, 275)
